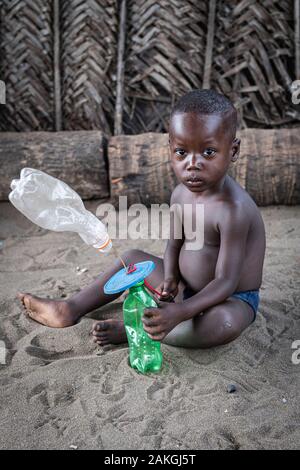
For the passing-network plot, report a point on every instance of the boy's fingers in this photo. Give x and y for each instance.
(165, 295)
(168, 295)
(163, 298)
(171, 297)
(148, 321)
(158, 337)
(160, 287)
(152, 330)
(150, 312)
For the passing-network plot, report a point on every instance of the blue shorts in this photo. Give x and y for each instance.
(251, 297)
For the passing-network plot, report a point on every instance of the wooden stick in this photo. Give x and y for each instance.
(118, 256)
(209, 44)
(120, 72)
(56, 59)
(297, 38)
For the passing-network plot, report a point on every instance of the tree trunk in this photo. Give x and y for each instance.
(77, 158)
(139, 168)
(268, 167)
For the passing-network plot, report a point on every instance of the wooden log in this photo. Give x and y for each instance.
(268, 167)
(139, 168)
(78, 158)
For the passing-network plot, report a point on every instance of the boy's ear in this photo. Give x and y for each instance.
(235, 150)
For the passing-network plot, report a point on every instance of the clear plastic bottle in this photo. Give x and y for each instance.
(53, 205)
(144, 354)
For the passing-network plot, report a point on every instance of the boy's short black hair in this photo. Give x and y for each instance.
(206, 102)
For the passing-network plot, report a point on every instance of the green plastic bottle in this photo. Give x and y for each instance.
(144, 354)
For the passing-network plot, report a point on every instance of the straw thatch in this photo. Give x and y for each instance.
(118, 65)
(26, 52)
(88, 53)
(254, 59)
(164, 58)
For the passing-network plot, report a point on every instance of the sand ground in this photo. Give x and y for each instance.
(59, 390)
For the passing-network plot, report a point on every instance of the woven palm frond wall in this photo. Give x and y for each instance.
(88, 54)
(254, 59)
(164, 58)
(26, 65)
(70, 64)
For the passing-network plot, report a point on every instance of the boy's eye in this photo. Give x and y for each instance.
(180, 152)
(209, 152)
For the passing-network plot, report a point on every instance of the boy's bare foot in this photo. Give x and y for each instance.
(53, 313)
(109, 332)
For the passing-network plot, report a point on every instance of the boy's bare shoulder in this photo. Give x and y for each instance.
(236, 205)
(233, 203)
(237, 197)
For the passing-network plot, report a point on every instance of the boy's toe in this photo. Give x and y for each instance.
(21, 296)
(100, 326)
(102, 342)
(100, 335)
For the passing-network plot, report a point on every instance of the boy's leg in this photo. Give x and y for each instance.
(62, 313)
(217, 326)
(113, 331)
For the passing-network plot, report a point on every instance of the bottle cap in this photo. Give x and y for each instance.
(122, 280)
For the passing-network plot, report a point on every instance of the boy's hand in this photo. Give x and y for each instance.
(158, 322)
(168, 290)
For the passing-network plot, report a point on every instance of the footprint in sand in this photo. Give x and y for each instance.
(156, 391)
(160, 390)
(111, 415)
(51, 396)
(152, 430)
(39, 393)
(45, 347)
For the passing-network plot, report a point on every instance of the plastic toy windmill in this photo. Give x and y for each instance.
(129, 277)
(144, 353)
(53, 205)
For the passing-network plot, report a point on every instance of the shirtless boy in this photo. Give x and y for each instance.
(216, 288)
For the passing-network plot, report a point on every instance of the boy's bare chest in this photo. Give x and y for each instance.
(202, 218)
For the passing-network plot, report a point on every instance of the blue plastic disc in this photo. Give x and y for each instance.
(122, 281)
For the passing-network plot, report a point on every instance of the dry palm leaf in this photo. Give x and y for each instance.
(26, 46)
(88, 56)
(253, 59)
(164, 58)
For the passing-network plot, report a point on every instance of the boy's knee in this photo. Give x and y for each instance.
(222, 326)
(228, 328)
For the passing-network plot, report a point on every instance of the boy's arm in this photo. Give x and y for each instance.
(234, 227)
(171, 255)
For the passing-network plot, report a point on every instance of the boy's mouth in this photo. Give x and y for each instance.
(193, 181)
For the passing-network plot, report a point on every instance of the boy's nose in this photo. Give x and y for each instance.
(194, 162)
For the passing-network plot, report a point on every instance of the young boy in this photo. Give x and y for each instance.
(216, 288)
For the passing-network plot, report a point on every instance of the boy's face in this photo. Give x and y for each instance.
(201, 149)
